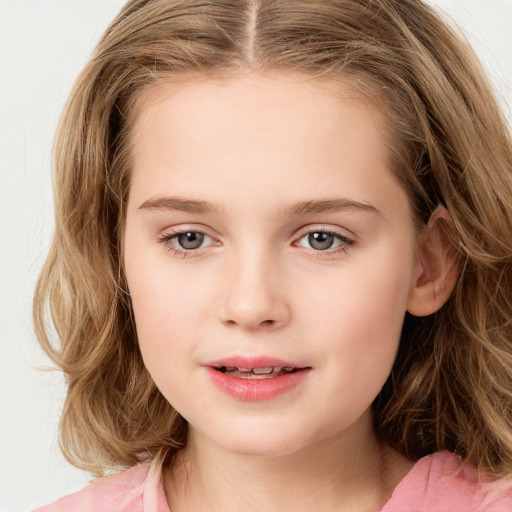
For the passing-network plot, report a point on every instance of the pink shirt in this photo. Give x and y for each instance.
(435, 484)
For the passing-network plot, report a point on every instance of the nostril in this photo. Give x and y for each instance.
(263, 324)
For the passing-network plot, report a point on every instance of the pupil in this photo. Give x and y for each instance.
(191, 240)
(321, 241)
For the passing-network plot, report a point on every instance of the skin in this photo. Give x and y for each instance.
(253, 147)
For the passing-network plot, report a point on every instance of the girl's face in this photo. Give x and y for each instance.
(265, 230)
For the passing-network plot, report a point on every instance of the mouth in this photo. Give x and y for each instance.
(256, 379)
(267, 372)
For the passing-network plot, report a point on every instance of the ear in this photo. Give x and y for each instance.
(437, 266)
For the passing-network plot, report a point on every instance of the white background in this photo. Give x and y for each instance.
(43, 45)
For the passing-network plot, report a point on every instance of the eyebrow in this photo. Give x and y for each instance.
(300, 208)
(329, 206)
(178, 204)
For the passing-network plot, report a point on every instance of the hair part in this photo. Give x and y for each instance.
(451, 385)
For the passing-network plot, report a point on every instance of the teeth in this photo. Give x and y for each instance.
(262, 371)
(258, 371)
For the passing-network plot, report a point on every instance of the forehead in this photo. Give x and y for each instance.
(257, 136)
(276, 91)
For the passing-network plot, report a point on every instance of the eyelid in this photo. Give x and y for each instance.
(327, 228)
(170, 233)
(186, 228)
(347, 238)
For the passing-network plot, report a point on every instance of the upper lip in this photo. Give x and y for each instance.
(252, 362)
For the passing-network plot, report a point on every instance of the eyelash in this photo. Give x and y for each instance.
(345, 242)
(167, 240)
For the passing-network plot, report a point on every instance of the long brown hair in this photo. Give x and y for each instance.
(451, 386)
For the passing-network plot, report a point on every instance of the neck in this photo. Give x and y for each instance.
(351, 472)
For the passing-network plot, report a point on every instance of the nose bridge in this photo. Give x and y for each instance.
(254, 295)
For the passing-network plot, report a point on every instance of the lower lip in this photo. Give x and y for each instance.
(256, 390)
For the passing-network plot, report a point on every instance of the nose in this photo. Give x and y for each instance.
(255, 294)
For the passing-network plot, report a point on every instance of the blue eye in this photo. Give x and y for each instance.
(324, 240)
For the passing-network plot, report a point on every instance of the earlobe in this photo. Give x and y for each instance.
(438, 271)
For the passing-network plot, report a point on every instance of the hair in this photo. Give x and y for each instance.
(451, 385)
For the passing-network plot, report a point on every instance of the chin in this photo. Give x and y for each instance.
(265, 441)
(249, 448)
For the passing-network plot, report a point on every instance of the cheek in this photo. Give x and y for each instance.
(360, 312)
(171, 307)
(157, 292)
(181, 298)
(370, 292)
(161, 319)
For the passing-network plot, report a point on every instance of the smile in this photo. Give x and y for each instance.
(256, 379)
(268, 372)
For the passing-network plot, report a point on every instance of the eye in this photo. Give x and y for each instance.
(324, 240)
(186, 240)
(191, 239)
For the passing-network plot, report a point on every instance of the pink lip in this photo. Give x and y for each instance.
(255, 390)
(252, 362)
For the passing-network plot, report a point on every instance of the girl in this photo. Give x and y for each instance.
(281, 276)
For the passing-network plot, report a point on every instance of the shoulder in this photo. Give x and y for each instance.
(438, 483)
(127, 491)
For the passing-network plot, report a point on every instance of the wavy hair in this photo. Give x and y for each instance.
(451, 385)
